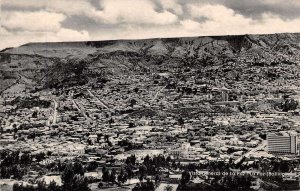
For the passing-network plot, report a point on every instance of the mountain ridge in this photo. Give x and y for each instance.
(157, 38)
(60, 64)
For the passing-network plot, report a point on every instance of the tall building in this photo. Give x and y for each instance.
(225, 92)
(282, 143)
(221, 94)
(224, 96)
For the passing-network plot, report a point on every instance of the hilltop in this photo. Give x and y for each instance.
(230, 59)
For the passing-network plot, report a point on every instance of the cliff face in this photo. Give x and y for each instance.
(48, 65)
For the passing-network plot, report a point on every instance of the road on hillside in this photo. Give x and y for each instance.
(55, 112)
(158, 92)
(101, 102)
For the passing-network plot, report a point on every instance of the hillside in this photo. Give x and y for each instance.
(230, 60)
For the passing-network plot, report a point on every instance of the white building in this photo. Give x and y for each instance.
(282, 143)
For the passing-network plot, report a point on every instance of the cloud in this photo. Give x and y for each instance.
(171, 5)
(271, 23)
(190, 25)
(71, 7)
(62, 5)
(286, 9)
(131, 11)
(16, 4)
(219, 20)
(222, 20)
(3, 32)
(69, 35)
(113, 12)
(216, 13)
(66, 7)
(67, 20)
(13, 39)
(20, 27)
(32, 21)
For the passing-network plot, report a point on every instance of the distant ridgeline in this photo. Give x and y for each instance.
(226, 59)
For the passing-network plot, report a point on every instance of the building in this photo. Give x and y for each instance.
(221, 94)
(179, 152)
(282, 143)
(224, 95)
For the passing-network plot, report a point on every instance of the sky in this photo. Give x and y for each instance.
(24, 21)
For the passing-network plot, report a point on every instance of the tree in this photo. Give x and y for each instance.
(92, 166)
(136, 90)
(185, 177)
(72, 178)
(41, 186)
(142, 172)
(122, 177)
(106, 137)
(284, 167)
(168, 188)
(80, 183)
(100, 185)
(157, 179)
(105, 174)
(40, 156)
(1, 129)
(131, 125)
(181, 121)
(150, 184)
(16, 187)
(78, 168)
(289, 104)
(112, 177)
(15, 129)
(263, 136)
(131, 160)
(53, 186)
(110, 121)
(168, 159)
(34, 114)
(132, 102)
(147, 186)
(25, 158)
(67, 177)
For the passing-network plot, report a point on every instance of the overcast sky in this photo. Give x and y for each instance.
(24, 21)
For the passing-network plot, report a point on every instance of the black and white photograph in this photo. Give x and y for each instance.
(149, 95)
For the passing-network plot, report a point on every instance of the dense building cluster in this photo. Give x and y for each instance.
(130, 120)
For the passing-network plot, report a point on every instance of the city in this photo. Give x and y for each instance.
(138, 121)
